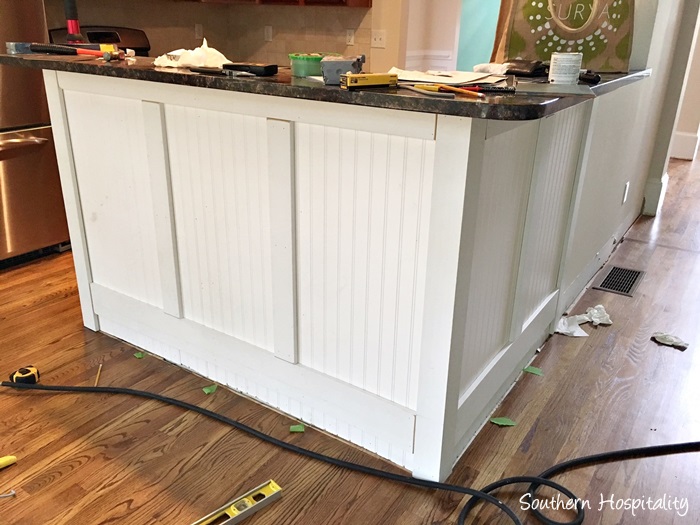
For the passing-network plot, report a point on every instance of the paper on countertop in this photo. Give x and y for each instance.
(203, 56)
(570, 325)
(492, 68)
(439, 77)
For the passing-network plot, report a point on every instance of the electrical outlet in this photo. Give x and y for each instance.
(350, 37)
(627, 189)
(268, 33)
(378, 38)
(198, 31)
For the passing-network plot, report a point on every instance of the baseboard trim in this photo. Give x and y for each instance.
(654, 193)
(478, 402)
(360, 417)
(574, 289)
(684, 145)
(435, 59)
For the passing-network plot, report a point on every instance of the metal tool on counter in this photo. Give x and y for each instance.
(107, 51)
(333, 66)
(220, 72)
(496, 90)
(257, 69)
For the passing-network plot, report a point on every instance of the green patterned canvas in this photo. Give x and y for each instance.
(599, 29)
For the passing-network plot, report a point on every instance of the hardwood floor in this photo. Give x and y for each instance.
(98, 458)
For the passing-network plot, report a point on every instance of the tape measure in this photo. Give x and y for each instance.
(6, 461)
(28, 374)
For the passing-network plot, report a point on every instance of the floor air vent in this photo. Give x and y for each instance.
(621, 280)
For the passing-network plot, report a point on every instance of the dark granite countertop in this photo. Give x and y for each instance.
(519, 106)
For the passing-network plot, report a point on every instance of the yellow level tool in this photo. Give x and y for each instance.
(243, 506)
(352, 81)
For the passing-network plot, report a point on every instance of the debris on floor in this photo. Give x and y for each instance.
(533, 370)
(669, 340)
(297, 428)
(10, 494)
(209, 389)
(502, 421)
(595, 315)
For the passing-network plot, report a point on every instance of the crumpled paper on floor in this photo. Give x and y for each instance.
(669, 340)
(595, 315)
(203, 56)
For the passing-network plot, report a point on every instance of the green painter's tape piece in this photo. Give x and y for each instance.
(533, 370)
(139, 355)
(503, 421)
(296, 428)
(209, 389)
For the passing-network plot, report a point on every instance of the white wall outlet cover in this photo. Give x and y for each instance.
(378, 38)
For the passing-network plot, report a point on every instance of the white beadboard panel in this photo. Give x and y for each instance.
(111, 166)
(556, 162)
(503, 197)
(362, 209)
(222, 217)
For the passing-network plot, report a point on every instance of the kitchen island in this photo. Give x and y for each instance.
(379, 264)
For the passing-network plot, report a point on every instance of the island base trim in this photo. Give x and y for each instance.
(480, 400)
(376, 424)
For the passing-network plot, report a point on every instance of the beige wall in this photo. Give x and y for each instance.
(690, 110)
(238, 30)
(433, 34)
(686, 139)
(391, 16)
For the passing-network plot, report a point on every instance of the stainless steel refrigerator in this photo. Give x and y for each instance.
(32, 215)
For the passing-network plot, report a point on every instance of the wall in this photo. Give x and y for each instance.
(169, 25)
(238, 30)
(477, 32)
(297, 30)
(628, 142)
(432, 34)
(686, 137)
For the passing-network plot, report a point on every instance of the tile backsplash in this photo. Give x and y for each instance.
(238, 31)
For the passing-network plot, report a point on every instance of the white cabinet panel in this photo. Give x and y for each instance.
(107, 136)
(556, 163)
(222, 215)
(503, 197)
(362, 206)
